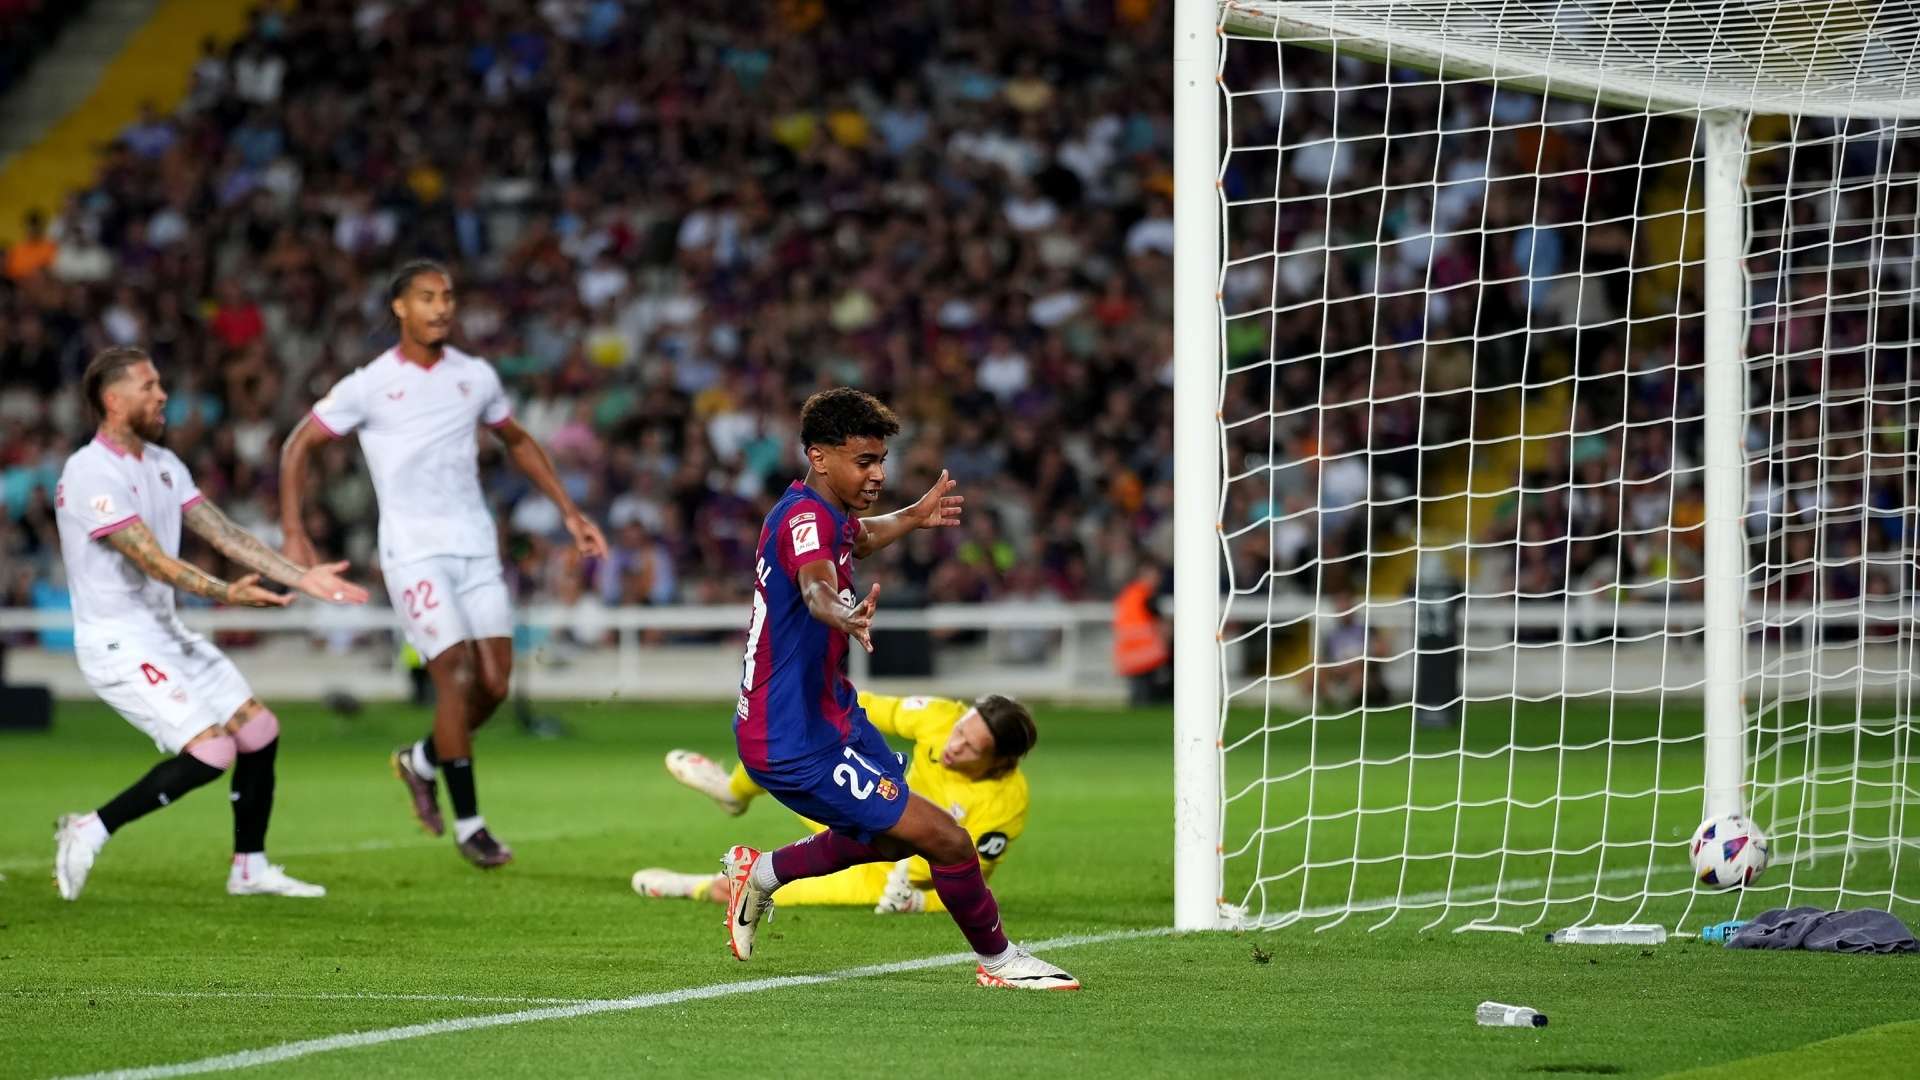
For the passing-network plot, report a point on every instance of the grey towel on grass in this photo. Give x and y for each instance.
(1862, 930)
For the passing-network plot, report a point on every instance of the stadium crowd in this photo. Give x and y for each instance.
(668, 223)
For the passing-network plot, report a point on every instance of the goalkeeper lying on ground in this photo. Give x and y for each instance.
(966, 758)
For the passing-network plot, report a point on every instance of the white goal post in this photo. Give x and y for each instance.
(1581, 337)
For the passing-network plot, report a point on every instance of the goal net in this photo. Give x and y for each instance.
(1568, 470)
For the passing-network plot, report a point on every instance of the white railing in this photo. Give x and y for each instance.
(1585, 614)
(1592, 645)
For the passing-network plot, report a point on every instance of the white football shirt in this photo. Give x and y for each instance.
(104, 489)
(418, 429)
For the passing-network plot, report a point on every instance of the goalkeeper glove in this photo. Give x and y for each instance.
(900, 897)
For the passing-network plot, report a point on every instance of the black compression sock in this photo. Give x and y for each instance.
(458, 776)
(163, 783)
(253, 798)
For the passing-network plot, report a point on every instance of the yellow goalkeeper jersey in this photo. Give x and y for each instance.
(994, 812)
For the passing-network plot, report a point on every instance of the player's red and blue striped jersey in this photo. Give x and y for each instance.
(795, 697)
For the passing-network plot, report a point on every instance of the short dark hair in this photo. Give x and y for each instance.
(403, 280)
(831, 417)
(1012, 728)
(106, 368)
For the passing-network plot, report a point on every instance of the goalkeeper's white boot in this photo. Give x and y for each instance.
(704, 775)
(747, 903)
(657, 882)
(253, 875)
(73, 853)
(1021, 970)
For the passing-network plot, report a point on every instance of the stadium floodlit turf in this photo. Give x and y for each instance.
(156, 966)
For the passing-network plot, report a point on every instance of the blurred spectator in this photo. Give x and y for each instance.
(34, 251)
(1142, 640)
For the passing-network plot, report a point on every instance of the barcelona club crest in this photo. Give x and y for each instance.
(888, 789)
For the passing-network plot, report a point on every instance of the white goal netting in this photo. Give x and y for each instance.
(1465, 310)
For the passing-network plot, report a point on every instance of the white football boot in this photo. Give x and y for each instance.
(657, 882)
(704, 775)
(747, 903)
(269, 880)
(73, 856)
(1021, 970)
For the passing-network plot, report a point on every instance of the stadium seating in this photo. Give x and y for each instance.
(27, 27)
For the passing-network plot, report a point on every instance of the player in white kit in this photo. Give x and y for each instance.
(121, 503)
(417, 409)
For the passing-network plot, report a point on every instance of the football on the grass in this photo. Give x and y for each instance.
(1728, 852)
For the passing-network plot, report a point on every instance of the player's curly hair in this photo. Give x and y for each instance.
(831, 417)
(403, 279)
(105, 369)
(1012, 728)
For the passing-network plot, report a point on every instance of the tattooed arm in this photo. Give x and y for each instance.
(322, 582)
(142, 548)
(216, 528)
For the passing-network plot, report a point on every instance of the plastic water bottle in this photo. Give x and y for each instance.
(1494, 1014)
(1722, 932)
(1620, 934)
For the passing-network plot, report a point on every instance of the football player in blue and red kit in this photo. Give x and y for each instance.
(799, 727)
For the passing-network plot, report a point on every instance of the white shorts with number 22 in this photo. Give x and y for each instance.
(447, 599)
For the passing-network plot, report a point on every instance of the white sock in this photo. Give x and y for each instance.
(250, 864)
(762, 874)
(422, 768)
(993, 962)
(464, 828)
(93, 832)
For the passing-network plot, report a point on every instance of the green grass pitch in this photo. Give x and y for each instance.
(157, 966)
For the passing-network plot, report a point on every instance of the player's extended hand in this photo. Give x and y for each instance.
(324, 582)
(937, 509)
(246, 592)
(586, 535)
(859, 621)
(299, 550)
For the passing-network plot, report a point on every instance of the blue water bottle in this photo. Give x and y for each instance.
(1722, 932)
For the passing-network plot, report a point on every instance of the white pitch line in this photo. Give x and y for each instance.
(276, 995)
(268, 1055)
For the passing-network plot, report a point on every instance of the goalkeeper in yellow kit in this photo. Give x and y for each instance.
(965, 758)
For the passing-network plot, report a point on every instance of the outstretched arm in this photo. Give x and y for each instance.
(530, 458)
(936, 509)
(293, 484)
(140, 546)
(820, 589)
(321, 582)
